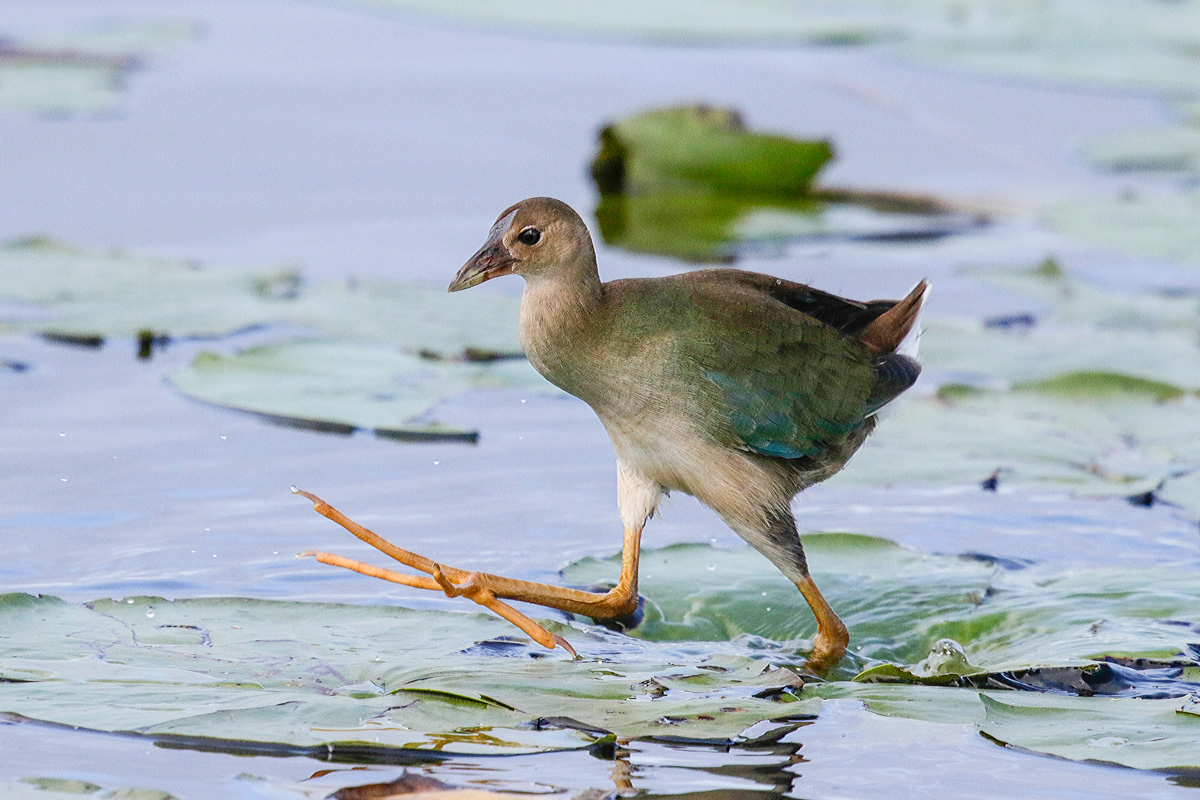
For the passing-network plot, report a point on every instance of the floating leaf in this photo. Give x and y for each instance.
(1165, 149)
(81, 293)
(927, 614)
(82, 73)
(1139, 733)
(701, 225)
(673, 21)
(702, 146)
(1110, 443)
(338, 383)
(371, 678)
(693, 183)
(1154, 226)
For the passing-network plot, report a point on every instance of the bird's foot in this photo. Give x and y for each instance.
(829, 645)
(486, 589)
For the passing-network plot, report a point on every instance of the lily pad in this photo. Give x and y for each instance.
(674, 21)
(325, 384)
(362, 679)
(695, 184)
(80, 293)
(706, 226)
(1164, 149)
(400, 349)
(926, 614)
(1156, 226)
(704, 146)
(82, 73)
(1139, 733)
(1109, 443)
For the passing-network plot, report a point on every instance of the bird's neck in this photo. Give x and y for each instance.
(562, 321)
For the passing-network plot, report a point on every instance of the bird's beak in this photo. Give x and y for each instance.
(491, 260)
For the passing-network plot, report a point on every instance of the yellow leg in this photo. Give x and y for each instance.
(489, 590)
(829, 645)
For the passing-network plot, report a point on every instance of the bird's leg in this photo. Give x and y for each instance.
(829, 645)
(490, 590)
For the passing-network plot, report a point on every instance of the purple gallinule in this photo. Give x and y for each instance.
(738, 388)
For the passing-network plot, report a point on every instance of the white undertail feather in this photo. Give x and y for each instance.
(912, 340)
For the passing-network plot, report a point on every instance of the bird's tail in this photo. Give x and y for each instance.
(888, 331)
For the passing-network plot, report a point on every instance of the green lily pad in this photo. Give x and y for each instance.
(703, 146)
(345, 383)
(674, 21)
(1164, 149)
(717, 654)
(1155, 226)
(83, 73)
(700, 225)
(1110, 443)
(1139, 733)
(372, 678)
(400, 349)
(80, 293)
(694, 184)
(928, 615)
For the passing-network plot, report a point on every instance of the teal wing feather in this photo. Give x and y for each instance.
(777, 381)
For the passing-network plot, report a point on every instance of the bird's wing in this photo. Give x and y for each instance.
(777, 380)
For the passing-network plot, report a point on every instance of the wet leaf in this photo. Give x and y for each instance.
(400, 350)
(1139, 733)
(292, 674)
(77, 292)
(1154, 226)
(701, 225)
(701, 146)
(902, 606)
(675, 21)
(1165, 149)
(82, 73)
(694, 184)
(340, 382)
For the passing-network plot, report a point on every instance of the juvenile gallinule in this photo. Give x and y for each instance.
(735, 387)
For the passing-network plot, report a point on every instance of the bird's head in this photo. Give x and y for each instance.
(535, 237)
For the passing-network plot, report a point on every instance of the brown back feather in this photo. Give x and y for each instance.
(886, 331)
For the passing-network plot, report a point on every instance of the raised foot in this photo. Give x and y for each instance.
(486, 589)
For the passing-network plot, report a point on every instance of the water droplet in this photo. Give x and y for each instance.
(150, 614)
(711, 567)
(223, 436)
(436, 463)
(275, 552)
(768, 608)
(214, 555)
(764, 594)
(64, 480)
(60, 433)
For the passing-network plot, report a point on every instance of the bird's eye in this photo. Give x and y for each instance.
(529, 236)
